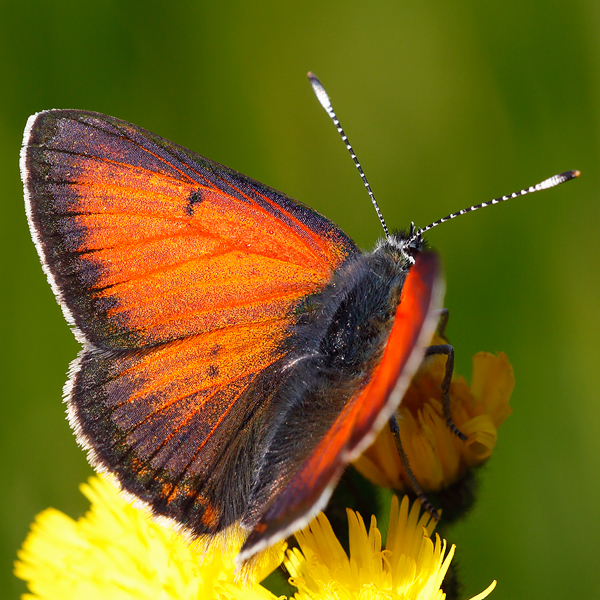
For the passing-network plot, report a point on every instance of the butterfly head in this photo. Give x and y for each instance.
(403, 245)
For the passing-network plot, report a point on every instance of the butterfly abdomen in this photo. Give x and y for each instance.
(342, 337)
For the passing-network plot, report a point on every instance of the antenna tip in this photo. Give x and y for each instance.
(319, 91)
(567, 176)
(557, 180)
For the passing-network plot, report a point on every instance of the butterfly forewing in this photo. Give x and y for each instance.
(146, 242)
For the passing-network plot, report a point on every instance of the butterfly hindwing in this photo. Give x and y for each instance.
(175, 422)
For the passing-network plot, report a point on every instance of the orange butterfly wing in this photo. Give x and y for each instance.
(146, 242)
(181, 423)
(182, 278)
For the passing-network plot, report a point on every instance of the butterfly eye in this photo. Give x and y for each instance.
(414, 246)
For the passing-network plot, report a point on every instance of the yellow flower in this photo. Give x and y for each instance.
(436, 456)
(116, 551)
(411, 567)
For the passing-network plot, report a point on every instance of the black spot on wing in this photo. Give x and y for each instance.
(194, 199)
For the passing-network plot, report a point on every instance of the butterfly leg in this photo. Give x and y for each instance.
(448, 350)
(395, 429)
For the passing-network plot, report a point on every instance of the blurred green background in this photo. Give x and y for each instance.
(447, 104)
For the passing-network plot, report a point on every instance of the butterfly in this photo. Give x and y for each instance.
(238, 349)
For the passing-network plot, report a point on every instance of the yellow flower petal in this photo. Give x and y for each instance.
(411, 567)
(116, 551)
(436, 456)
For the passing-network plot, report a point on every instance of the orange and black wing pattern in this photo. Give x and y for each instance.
(146, 242)
(183, 280)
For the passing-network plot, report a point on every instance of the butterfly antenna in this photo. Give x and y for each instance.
(544, 185)
(323, 98)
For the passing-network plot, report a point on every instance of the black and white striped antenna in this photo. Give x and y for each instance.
(323, 98)
(551, 182)
(544, 185)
